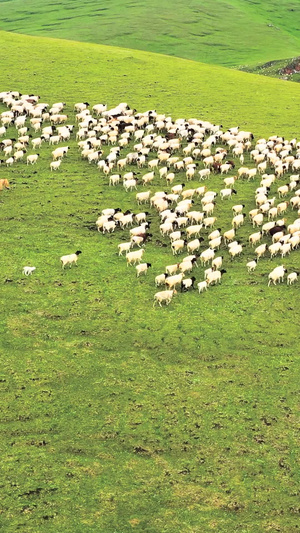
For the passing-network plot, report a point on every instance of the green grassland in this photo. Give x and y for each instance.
(226, 32)
(118, 417)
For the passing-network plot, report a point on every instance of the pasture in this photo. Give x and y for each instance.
(232, 33)
(117, 416)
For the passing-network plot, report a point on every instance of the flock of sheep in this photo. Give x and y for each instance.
(169, 151)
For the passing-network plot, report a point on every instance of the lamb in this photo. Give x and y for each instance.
(258, 220)
(142, 268)
(292, 277)
(202, 286)
(70, 259)
(27, 270)
(251, 266)
(147, 178)
(164, 297)
(277, 275)
(229, 235)
(114, 179)
(54, 165)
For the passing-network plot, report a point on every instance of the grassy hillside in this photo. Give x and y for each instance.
(116, 416)
(75, 71)
(226, 32)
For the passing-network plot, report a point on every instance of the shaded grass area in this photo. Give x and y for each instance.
(116, 416)
(226, 32)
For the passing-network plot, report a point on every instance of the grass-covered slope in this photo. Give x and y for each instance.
(115, 416)
(226, 32)
(74, 71)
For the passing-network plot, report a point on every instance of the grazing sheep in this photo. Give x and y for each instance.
(202, 286)
(54, 165)
(32, 159)
(235, 250)
(172, 281)
(187, 284)
(164, 297)
(177, 246)
(292, 277)
(277, 275)
(238, 220)
(217, 262)
(124, 247)
(28, 270)
(160, 279)
(143, 197)
(215, 277)
(251, 266)
(261, 250)
(109, 226)
(187, 266)
(134, 257)
(70, 259)
(206, 256)
(142, 268)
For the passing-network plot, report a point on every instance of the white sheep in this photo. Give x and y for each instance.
(172, 281)
(160, 279)
(134, 257)
(235, 250)
(214, 277)
(202, 286)
(54, 165)
(27, 270)
(124, 247)
(142, 268)
(276, 275)
(177, 246)
(32, 159)
(292, 277)
(238, 220)
(109, 226)
(143, 197)
(251, 266)
(164, 297)
(207, 255)
(70, 259)
(129, 185)
(260, 251)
